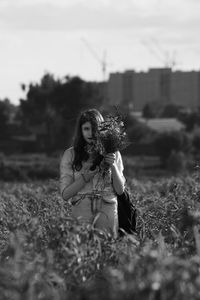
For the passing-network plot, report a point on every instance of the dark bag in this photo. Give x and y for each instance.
(126, 214)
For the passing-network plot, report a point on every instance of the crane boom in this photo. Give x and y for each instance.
(102, 61)
(162, 54)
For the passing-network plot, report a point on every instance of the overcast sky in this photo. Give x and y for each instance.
(72, 37)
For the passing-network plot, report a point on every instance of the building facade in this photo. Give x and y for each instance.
(135, 89)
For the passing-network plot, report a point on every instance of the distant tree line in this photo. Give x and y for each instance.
(181, 148)
(49, 110)
(189, 118)
(7, 113)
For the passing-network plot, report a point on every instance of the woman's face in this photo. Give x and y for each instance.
(87, 132)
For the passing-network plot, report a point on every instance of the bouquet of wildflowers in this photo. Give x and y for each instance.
(110, 137)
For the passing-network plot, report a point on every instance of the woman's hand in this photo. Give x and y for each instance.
(110, 159)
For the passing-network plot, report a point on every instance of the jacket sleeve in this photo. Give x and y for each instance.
(66, 170)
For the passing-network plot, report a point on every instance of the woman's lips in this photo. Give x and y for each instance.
(90, 139)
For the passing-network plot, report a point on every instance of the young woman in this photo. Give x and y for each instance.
(92, 194)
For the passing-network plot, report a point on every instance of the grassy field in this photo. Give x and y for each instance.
(45, 254)
(29, 167)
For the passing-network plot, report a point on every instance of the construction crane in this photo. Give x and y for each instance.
(102, 61)
(163, 55)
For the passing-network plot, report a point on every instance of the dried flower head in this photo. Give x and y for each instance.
(111, 137)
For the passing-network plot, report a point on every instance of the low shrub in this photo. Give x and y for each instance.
(28, 167)
(45, 254)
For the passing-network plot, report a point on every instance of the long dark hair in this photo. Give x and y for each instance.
(94, 117)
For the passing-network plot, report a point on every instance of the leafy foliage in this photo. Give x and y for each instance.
(7, 110)
(109, 138)
(112, 136)
(190, 119)
(166, 142)
(50, 108)
(177, 162)
(28, 167)
(138, 131)
(45, 254)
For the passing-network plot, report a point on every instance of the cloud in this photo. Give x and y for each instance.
(48, 16)
(45, 35)
(114, 23)
(95, 15)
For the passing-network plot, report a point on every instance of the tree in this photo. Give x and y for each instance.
(196, 143)
(152, 109)
(177, 162)
(148, 112)
(136, 130)
(190, 120)
(54, 106)
(167, 142)
(170, 111)
(7, 112)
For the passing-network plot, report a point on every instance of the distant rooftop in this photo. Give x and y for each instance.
(137, 114)
(163, 124)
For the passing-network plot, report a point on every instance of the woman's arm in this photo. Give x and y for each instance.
(118, 180)
(72, 189)
(68, 186)
(117, 175)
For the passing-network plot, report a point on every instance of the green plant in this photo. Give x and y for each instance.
(45, 254)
